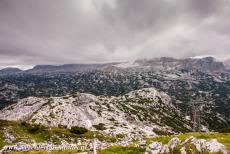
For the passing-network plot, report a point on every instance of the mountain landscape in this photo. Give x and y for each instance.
(143, 98)
(188, 82)
(114, 77)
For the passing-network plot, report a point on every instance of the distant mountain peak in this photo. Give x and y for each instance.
(201, 63)
(10, 70)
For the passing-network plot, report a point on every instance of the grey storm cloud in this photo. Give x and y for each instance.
(92, 31)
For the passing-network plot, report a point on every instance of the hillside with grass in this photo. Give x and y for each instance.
(29, 133)
(14, 132)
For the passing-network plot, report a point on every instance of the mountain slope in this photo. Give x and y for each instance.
(206, 64)
(227, 63)
(143, 111)
(66, 68)
(203, 81)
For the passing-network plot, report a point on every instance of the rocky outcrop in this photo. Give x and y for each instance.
(175, 145)
(137, 111)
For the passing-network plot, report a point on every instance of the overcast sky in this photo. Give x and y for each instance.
(96, 31)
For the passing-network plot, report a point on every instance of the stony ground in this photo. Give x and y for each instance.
(145, 111)
(223, 138)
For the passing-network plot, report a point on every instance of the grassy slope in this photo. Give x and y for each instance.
(44, 134)
(122, 150)
(24, 133)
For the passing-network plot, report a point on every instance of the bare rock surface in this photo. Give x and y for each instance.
(138, 111)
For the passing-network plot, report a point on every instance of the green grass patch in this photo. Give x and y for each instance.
(122, 150)
(25, 132)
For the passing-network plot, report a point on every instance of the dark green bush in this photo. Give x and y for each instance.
(224, 130)
(32, 128)
(78, 130)
(100, 126)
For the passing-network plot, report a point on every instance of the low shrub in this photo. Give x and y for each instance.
(224, 130)
(32, 128)
(78, 130)
(100, 126)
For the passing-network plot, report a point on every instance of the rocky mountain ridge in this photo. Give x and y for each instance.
(208, 64)
(144, 111)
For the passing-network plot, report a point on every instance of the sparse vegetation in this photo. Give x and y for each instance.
(160, 132)
(113, 84)
(223, 138)
(25, 131)
(100, 126)
(32, 128)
